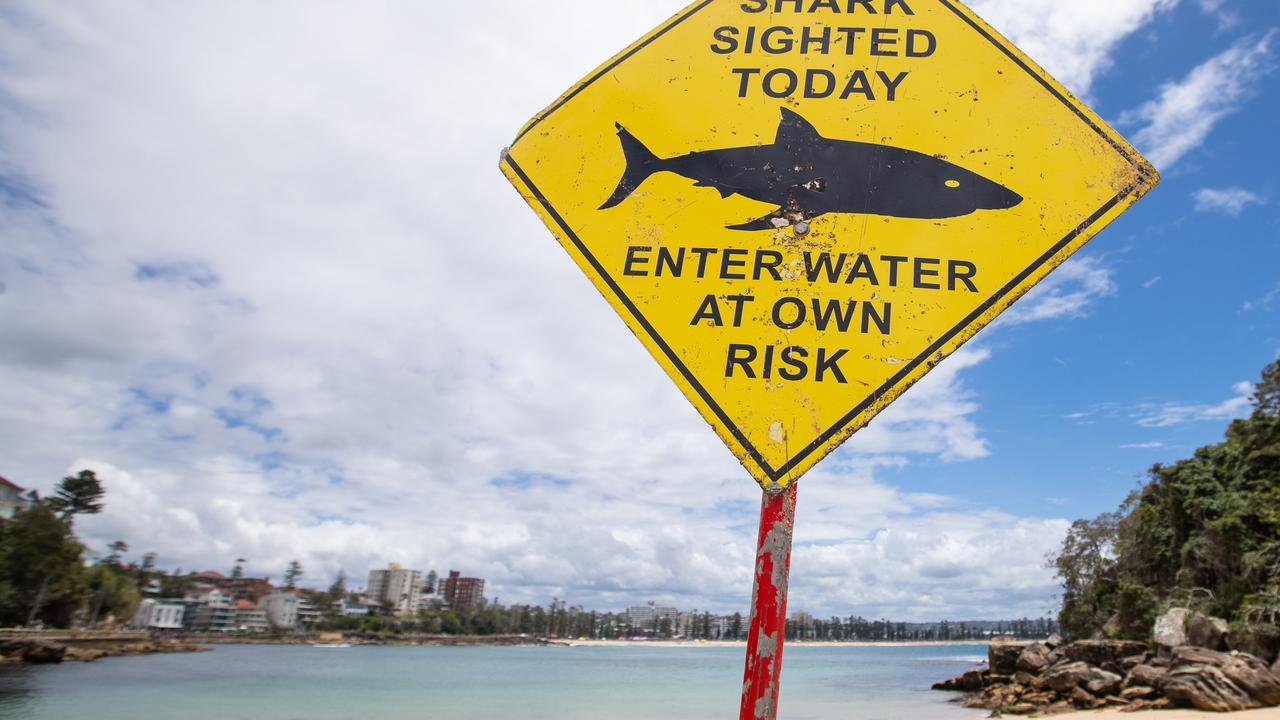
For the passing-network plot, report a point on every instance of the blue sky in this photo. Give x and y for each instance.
(259, 270)
(1074, 409)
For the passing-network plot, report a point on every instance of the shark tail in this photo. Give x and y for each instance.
(641, 163)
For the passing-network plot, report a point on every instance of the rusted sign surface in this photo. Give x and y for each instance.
(801, 206)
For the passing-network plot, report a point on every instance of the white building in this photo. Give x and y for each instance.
(351, 608)
(215, 610)
(649, 617)
(160, 615)
(281, 608)
(11, 499)
(286, 610)
(250, 618)
(397, 589)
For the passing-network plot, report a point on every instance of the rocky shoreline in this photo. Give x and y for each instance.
(41, 651)
(399, 640)
(1050, 677)
(35, 649)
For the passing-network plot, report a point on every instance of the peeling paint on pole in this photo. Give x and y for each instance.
(769, 607)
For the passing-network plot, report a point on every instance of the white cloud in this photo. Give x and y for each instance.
(1184, 114)
(1228, 201)
(929, 568)
(1226, 17)
(1152, 282)
(1068, 292)
(933, 417)
(260, 270)
(1176, 413)
(1262, 303)
(1142, 446)
(1072, 40)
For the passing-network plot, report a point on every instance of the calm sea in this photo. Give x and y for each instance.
(252, 682)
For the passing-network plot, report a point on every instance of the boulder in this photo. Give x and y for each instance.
(970, 681)
(1205, 687)
(1034, 658)
(1028, 680)
(1190, 655)
(1138, 692)
(1276, 668)
(1156, 704)
(1170, 629)
(1002, 657)
(1260, 645)
(84, 654)
(1040, 698)
(34, 651)
(1066, 676)
(1208, 632)
(1134, 661)
(1147, 675)
(1082, 699)
(1254, 677)
(1106, 654)
(1102, 683)
(1053, 641)
(1022, 708)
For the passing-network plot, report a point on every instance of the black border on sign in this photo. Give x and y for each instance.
(907, 369)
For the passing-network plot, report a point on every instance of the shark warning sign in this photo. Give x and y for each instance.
(801, 207)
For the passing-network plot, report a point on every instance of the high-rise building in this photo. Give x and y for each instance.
(396, 588)
(460, 592)
(648, 618)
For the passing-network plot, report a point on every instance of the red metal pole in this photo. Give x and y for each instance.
(769, 607)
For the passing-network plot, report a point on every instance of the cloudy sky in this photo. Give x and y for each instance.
(258, 268)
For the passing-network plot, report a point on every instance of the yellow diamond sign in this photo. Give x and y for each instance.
(801, 206)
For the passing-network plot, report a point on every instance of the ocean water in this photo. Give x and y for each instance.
(300, 682)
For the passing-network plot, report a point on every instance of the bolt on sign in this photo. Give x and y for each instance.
(800, 207)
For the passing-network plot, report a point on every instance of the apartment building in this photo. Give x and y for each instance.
(460, 592)
(397, 589)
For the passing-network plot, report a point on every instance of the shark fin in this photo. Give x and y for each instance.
(772, 221)
(724, 192)
(641, 163)
(795, 131)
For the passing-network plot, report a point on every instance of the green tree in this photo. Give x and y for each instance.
(1086, 567)
(338, 590)
(1203, 532)
(40, 569)
(80, 494)
(113, 594)
(1266, 395)
(292, 574)
(115, 551)
(175, 584)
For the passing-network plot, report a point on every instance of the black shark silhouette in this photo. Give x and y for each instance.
(807, 175)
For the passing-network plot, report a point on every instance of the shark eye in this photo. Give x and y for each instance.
(816, 185)
(953, 184)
